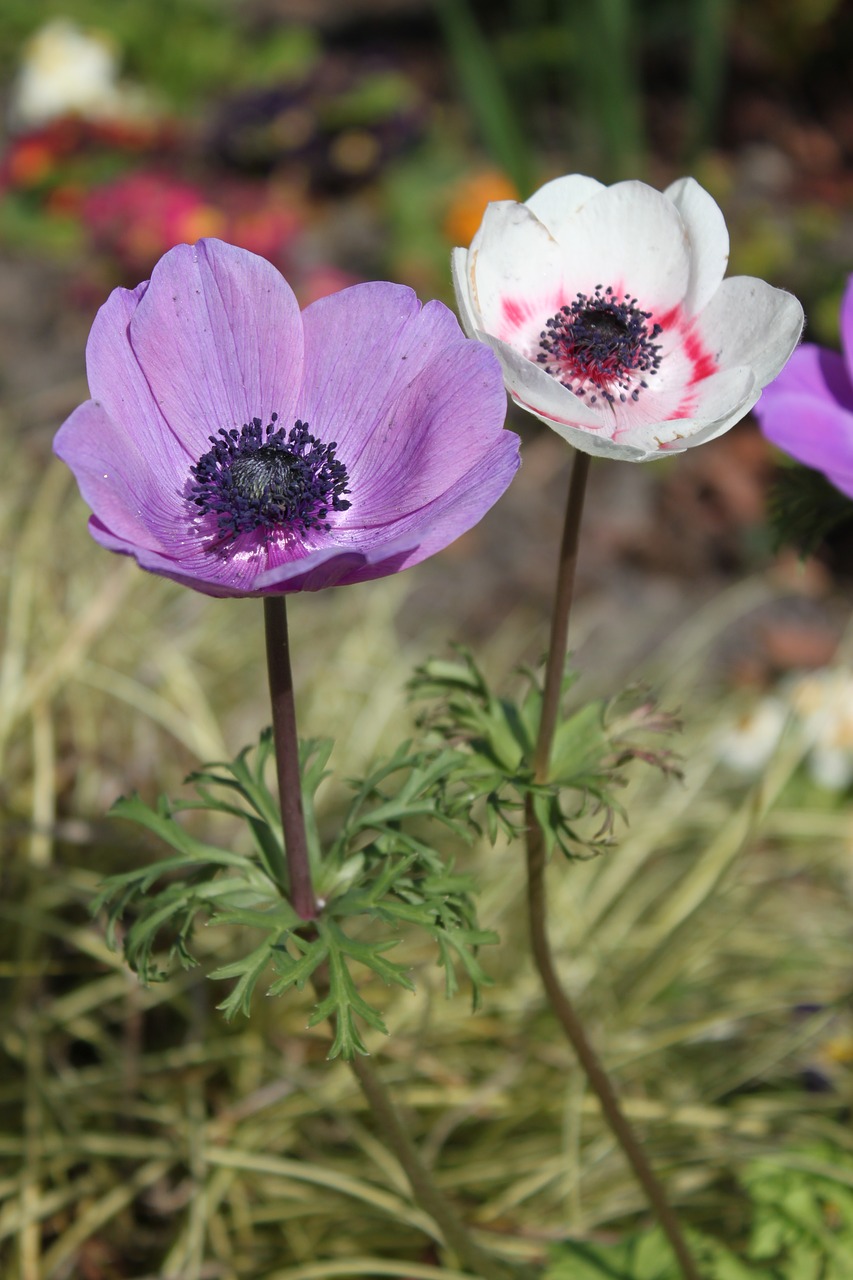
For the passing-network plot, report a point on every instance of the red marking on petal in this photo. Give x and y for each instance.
(670, 319)
(515, 313)
(703, 362)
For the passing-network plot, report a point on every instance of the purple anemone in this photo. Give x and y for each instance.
(244, 448)
(808, 410)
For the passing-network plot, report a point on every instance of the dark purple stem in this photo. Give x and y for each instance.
(555, 667)
(537, 910)
(302, 897)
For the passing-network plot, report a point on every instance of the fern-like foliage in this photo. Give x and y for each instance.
(494, 739)
(381, 874)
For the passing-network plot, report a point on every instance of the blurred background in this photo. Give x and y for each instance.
(141, 1136)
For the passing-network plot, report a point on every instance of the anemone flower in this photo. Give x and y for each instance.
(808, 411)
(244, 448)
(608, 311)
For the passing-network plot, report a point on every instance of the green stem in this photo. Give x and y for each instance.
(302, 897)
(425, 1192)
(536, 897)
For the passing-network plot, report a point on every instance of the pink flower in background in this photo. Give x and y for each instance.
(244, 448)
(139, 216)
(608, 311)
(808, 410)
(320, 280)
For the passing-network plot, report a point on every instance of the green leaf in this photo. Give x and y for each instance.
(579, 743)
(646, 1256)
(382, 868)
(295, 971)
(162, 824)
(483, 83)
(248, 970)
(344, 1003)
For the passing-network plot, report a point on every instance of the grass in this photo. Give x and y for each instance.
(142, 1136)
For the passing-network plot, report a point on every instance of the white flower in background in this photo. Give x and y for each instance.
(823, 701)
(608, 311)
(66, 71)
(818, 707)
(748, 744)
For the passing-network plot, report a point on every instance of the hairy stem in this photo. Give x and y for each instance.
(536, 897)
(302, 896)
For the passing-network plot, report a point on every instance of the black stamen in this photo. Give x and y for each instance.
(600, 344)
(268, 479)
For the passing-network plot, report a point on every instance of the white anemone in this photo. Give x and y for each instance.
(67, 71)
(608, 311)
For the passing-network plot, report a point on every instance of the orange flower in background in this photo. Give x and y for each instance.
(28, 163)
(468, 203)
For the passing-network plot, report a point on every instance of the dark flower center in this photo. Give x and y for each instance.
(602, 345)
(268, 478)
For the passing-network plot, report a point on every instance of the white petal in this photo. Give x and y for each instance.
(515, 273)
(532, 387)
(709, 240)
(831, 768)
(556, 202)
(630, 237)
(749, 322)
(470, 320)
(719, 402)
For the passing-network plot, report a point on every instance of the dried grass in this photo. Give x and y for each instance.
(141, 1136)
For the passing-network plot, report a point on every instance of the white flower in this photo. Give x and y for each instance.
(748, 744)
(608, 311)
(824, 702)
(66, 71)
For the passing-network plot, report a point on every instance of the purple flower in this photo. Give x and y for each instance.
(808, 410)
(244, 448)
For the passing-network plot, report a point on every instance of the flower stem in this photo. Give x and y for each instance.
(302, 897)
(559, 642)
(536, 898)
(425, 1192)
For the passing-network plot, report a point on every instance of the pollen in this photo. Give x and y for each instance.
(267, 480)
(601, 346)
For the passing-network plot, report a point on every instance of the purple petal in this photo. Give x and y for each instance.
(448, 417)
(815, 432)
(164, 565)
(219, 337)
(118, 383)
(446, 517)
(811, 371)
(362, 348)
(846, 319)
(112, 475)
(336, 567)
(419, 534)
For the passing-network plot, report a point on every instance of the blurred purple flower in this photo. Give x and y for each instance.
(808, 410)
(337, 125)
(244, 448)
